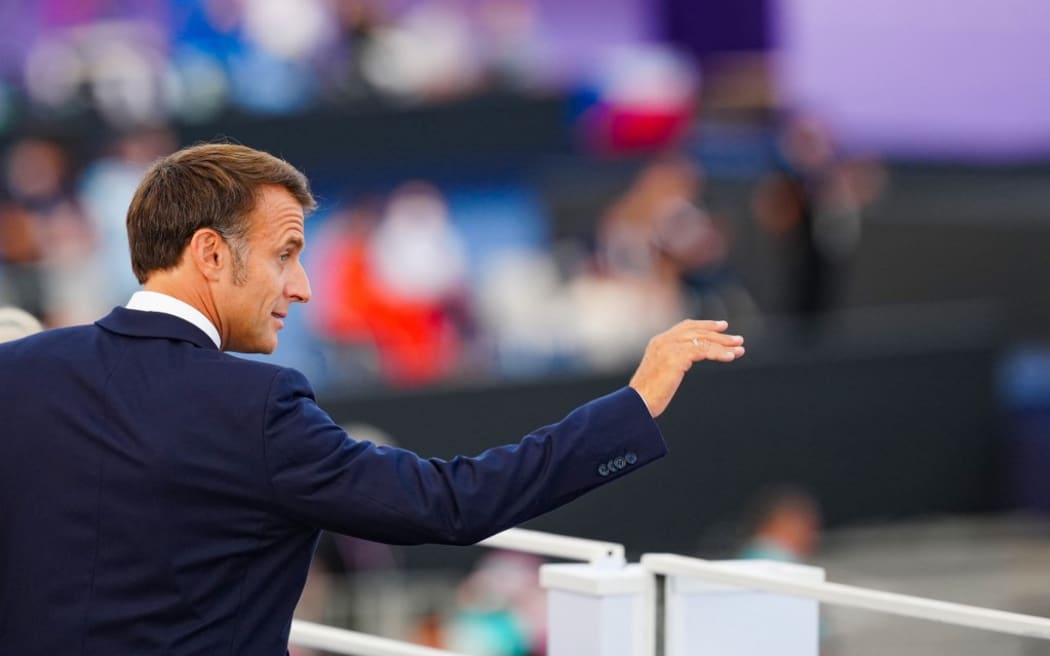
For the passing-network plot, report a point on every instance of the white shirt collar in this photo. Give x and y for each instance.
(146, 301)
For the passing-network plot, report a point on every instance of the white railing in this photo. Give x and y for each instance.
(853, 597)
(342, 641)
(607, 608)
(557, 546)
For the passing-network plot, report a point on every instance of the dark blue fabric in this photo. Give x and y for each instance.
(158, 496)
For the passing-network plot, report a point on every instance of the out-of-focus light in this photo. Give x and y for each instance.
(291, 29)
(54, 72)
(126, 88)
(195, 86)
(429, 53)
(648, 76)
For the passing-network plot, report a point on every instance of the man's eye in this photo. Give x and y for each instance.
(285, 257)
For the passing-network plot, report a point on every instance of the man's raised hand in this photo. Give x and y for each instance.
(671, 353)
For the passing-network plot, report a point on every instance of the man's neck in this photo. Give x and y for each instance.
(162, 296)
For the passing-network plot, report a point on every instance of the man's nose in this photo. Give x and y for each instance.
(299, 286)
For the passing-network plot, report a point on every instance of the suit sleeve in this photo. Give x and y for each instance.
(322, 477)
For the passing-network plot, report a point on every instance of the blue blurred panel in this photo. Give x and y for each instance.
(496, 219)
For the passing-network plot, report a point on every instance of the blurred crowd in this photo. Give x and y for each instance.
(63, 245)
(417, 283)
(136, 62)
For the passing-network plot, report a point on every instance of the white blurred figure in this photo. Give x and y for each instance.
(105, 192)
(630, 287)
(811, 207)
(417, 252)
(289, 29)
(524, 306)
(429, 54)
(272, 71)
(16, 324)
(419, 313)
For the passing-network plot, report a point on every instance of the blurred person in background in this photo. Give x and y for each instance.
(811, 208)
(658, 256)
(105, 190)
(419, 260)
(428, 53)
(16, 323)
(501, 609)
(628, 286)
(345, 291)
(783, 524)
(692, 241)
(341, 63)
(396, 282)
(53, 240)
(21, 271)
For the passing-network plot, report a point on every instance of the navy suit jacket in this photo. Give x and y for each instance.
(158, 496)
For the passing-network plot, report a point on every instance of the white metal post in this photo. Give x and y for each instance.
(712, 619)
(596, 610)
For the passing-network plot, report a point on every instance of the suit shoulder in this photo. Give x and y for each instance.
(274, 375)
(55, 341)
(249, 366)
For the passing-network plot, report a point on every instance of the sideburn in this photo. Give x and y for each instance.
(239, 253)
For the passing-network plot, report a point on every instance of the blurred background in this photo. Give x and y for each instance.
(516, 194)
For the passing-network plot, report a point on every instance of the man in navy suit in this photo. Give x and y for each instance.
(158, 496)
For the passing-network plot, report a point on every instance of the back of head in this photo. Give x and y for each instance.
(787, 515)
(16, 324)
(205, 186)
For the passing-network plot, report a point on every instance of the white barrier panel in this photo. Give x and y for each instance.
(557, 546)
(854, 597)
(711, 619)
(598, 611)
(341, 641)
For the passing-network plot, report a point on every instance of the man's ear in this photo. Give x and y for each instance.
(209, 253)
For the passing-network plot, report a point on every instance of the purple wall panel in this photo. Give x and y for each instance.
(936, 78)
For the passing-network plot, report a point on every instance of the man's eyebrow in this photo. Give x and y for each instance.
(296, 241)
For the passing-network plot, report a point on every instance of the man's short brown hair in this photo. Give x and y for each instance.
(206, 186)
